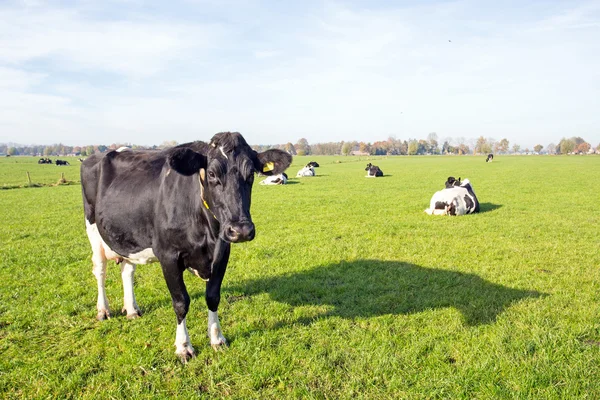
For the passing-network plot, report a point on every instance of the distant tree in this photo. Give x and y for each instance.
(502, 146)
(83, 153)
(551, 148)
(48, 150)
(164, 145)
(463, 149)
(566, 146)
(364, 147)
(346, 148)
(432, 138)
(89, 150)
(584, 147)
(537, 148)
(289, 147)
(102, 148)
(481, 146)
(413, 147)
(302, 147)
(11, 151)
(516, 148)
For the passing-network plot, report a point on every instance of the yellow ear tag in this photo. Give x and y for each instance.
(269, 167)
(205, 204)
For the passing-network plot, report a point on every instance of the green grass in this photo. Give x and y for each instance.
(348, 291)
(13, 172)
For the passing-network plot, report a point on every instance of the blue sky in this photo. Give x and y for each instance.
(144, 72)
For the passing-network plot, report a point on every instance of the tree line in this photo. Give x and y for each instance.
(392, 146)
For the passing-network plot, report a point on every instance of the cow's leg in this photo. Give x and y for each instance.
(181, 304)
(129, 304)
(99, 270)
(213, 297)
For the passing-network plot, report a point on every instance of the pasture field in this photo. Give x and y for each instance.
(348, 291)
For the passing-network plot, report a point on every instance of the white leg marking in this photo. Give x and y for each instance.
(183, 347)
(217, 340)
(99, 270)
(129, 303)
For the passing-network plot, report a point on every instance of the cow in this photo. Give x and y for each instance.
(182, 207)
(313, 164)
(62, 162)
(308, 170)
(373, 171)
(458, 198)
(44, 161)
(279, 179)
(490, 158)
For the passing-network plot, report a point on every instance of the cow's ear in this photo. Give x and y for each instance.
(186, 161)
(272, 162)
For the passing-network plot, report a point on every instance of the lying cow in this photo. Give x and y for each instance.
(182, 207)
(313, 164)
(62, 162)
(279, 179)
(458, 198)
(490, 158)
(373, 171)
(308, 170)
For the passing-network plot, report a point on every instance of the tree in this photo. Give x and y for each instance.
(584, 147)
(302, 147)
(289, 147)
(432, 138)
(481, 145)
(346, 148)
(502, 146)
(516, 148)
(11, 151)
(551, 148)
(537, 148)
(566, 146)
(413, 147)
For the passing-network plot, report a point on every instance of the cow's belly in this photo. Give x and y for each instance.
(145, 256)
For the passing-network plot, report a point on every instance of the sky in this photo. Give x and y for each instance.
(145, 72)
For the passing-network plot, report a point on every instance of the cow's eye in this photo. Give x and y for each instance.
(212, 177)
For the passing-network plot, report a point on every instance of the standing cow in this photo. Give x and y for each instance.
(458, 198)
(183, 207)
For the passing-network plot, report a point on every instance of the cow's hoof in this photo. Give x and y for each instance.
(102, 315)
(135, 314)
(185, 354)
(220, 345)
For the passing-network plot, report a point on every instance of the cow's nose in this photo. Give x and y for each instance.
(237, 233)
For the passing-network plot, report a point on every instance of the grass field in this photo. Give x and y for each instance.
(348, 291)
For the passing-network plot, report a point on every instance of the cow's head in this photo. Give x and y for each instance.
(226, 172)
(452, 182)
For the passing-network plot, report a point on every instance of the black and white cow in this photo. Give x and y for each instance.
(490, 158)
(458, 198)
(308, 170)
(182, 207)
(373, 171)
(279, 179)
(62, 162)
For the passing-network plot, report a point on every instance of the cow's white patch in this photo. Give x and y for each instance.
(214, 331)
(222, 151)
(145, 256)
(183, 347)
(120, 149)
(306, 171)
(195, 272)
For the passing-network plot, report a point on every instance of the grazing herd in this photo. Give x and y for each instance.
(184, 207)
(49, 161)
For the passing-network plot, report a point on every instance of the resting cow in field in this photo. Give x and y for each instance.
(458, 198)
(490, 158)
(182, 207)
(279, 179)
(313, 164)
(373, 171)
(306, 171)
(62, 162)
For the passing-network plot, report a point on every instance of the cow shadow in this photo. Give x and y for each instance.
(486, 207)
(369, 288)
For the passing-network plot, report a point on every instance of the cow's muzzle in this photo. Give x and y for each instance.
(239, 232)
